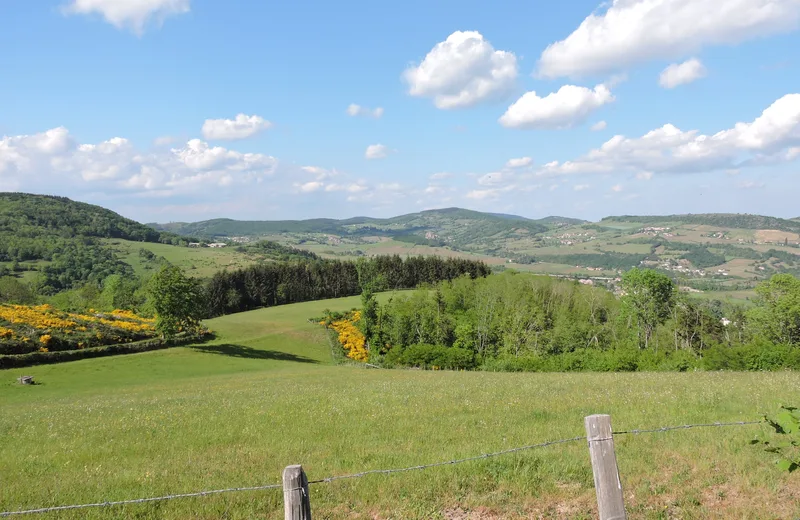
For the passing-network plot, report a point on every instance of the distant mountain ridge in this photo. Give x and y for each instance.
(730, 220)
(430, 220)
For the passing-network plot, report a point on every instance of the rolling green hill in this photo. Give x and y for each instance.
(33, 216)
(707, 252)
(72, 242)
(455, 227)
(225, 227)
(63, 239)
(61, 243)
(436, 221)
(554, 220)
(728, 220)
(215, 415)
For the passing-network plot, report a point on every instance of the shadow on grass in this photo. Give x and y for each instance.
(241, 351)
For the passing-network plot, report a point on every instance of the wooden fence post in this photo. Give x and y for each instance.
(296, 502)
(604, 466)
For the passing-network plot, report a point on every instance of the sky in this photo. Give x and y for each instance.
(185, 110)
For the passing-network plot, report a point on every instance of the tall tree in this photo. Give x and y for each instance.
(648, 300)
(176, 300)
(776, 316)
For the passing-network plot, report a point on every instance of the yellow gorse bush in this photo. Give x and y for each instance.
(38, 317)
(351, 337)
(59, 329)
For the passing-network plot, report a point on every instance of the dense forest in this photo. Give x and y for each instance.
(268, 284)
(68, 236)
(26, 216)
(514, 321)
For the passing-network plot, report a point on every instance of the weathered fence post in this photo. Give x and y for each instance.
(297, 504)
(604, 466)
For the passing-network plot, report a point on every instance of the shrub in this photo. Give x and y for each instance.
(45, 357)
(431, 357)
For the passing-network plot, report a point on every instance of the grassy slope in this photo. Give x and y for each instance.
(201, 261)
(265, 395)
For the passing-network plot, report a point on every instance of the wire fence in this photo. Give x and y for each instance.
(374, 471)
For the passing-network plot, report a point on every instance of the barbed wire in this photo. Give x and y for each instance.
(139, 500)
(446, 463)
(686, 427)
(371, 472)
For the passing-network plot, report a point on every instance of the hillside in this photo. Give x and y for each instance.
(705, 252)
(554, 220)
(214, 416)
(436, 221)
(225, 227)
(33, 216)
(457, 228)
(61, 243)
(728, 220)
(69, 243)
(62, 240)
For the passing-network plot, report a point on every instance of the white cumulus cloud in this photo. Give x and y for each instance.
(681, 73)
(308, 187)
(771, 137)
(598, 126)
(241, 127)
(568, 106)
(129, 14)
(520, 162)
(55, 158)
(635, 31)
(357, 110)
(462, 71)
(581, 187)
(376, 151)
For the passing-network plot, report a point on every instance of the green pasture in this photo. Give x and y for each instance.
(199, 261)
(265, 394)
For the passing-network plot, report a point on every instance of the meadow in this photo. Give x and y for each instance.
(265, 394)
(198, 262)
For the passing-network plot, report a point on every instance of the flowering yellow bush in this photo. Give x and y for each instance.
(59, 330)
(39, 317)
(351, 337)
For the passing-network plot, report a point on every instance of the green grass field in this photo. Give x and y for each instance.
(265, 394)
(201, 261)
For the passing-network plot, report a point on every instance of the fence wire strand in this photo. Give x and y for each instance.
(371, 472)
(686, 427)
(446, 463)
(140, 500)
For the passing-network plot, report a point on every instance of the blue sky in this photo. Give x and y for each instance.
(192, 109)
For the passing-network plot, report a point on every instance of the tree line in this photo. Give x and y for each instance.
(514, 321)
(268, 284)
(260, 285)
